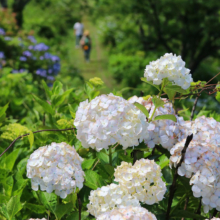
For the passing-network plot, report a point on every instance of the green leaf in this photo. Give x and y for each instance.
(13, 206)
(3, 110)
(157, 102)
(175, 88)
(57, 88)
(59, 99)
(3, 211)
(9, 161)
(150, 83)
(217, 96)
(31, 138)
(46, 106)
(75, 216)
(166, 117)
(171, 93)
(47, 90)
(49, 200)
(142, 108)
(62, 209)
(103, 157)
(163, 161)
(93, 180)
(186, 214)
(87, 164)
(167, 174)
(35, 208)
(89, 89)
(4, 199)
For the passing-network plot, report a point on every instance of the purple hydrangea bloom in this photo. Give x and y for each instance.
(41, 58)
(41, 47)
(22, 58)
(41, 72)
(47, 55)
(2, 31)
(15, 71)
(50, 71)
(27, 53)
(31, 47)
(55, 58)
(56, 68)
(2, 55)
(50, 78)
(7, 38)
(22, 70)
(32, 39)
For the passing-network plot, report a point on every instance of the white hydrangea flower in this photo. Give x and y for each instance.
(169, 66)
(201, 164)
(55, 167)
(109, 197)
(37, 219)
(127, 213)
(143, 180)
(164, 132)
(107, 120)
(214, 218)
(206, 130)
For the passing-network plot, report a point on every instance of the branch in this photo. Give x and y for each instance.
(24, 135)
(194, 108)
(173, 186)
(80, 206)
(186, 204)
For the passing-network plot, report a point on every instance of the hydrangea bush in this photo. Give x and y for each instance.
(105, 157)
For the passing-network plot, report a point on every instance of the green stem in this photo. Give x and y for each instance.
(110, 155)
(159, 97)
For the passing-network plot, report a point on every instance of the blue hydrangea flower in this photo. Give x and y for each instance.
(22, 58)
(2, 31)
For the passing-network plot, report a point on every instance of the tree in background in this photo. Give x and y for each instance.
(190, 28)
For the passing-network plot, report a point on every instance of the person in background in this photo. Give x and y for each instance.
(78, 30)
(86, 44)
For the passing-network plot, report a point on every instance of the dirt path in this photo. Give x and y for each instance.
(98, 65)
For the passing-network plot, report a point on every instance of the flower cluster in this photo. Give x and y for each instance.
(206, 130)
(201, 164)
(109, 119)
(127, 213)
(143, 180)
(55, 167)
(109, 197)
(169, 66)
(214, 218)
(37, 219)
(164, 132)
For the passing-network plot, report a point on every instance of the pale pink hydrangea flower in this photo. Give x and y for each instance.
(56, 167)
(164, 132)
(143, 180)
(201, 164)
(109, 197)
(127, 213)
(107, 120)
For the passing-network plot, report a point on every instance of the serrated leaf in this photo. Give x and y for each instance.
(93, 180)
(49, 200)
(87, 164)
(36, 208)
(46, 106)
(157, 102)
(3, 110)
(13, 206)
(150, 83)
(31, 138)
(142, 108)
(166, 117)
(46, 89)
(62, 209)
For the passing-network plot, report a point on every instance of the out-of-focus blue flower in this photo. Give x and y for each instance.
(27, 53)
(50, 78)
(47, 55)
(22, 58)
(41, 72)
(2, 55)
(2, 31)
(31, 47)
(50, 71)
(19, 71)
(32, 39)
(55, 58)
(50, 84)
(56, 68)
(41, 47)
(7, 38)
(41, 58)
